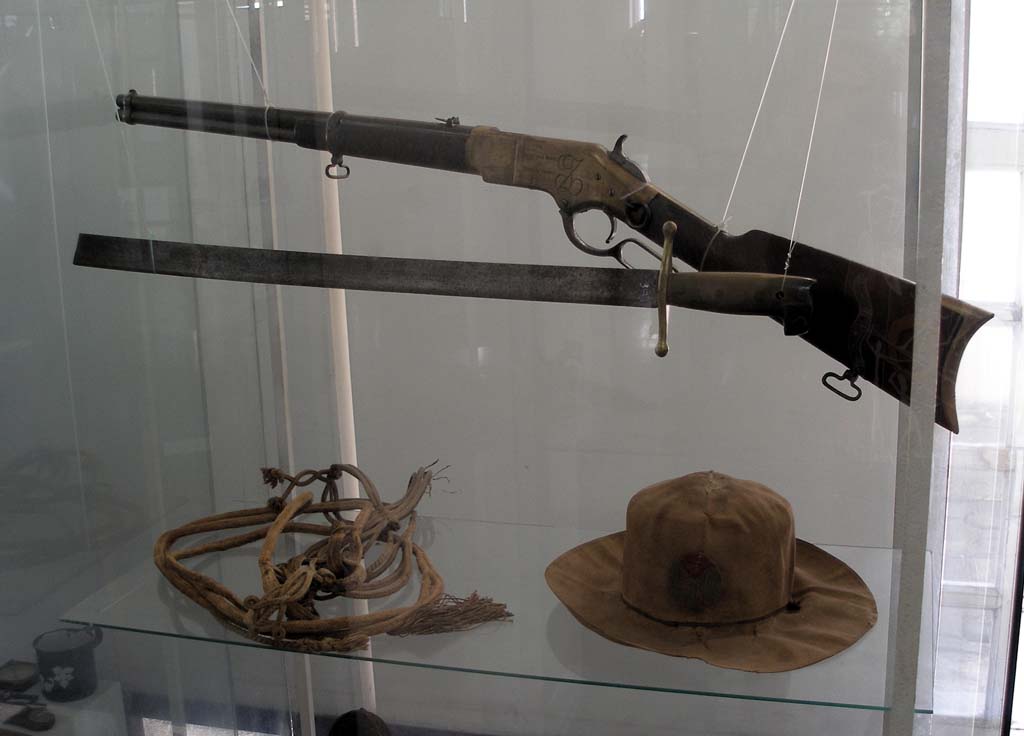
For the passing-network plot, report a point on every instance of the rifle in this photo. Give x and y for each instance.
(861, 317)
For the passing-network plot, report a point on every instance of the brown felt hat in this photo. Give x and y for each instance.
(710, 567)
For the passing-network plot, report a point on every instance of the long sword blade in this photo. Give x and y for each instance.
(786, 299)
(524, 282)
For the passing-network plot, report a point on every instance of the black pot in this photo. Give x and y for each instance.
(67, 666)
(359, 723)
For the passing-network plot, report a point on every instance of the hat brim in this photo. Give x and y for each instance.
(836, 609)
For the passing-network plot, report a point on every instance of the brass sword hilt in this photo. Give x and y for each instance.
(669, 233)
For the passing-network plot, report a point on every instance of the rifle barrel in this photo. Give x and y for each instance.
(268, 123)
(435, 145)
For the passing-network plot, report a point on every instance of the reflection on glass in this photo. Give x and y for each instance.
(996, 58)
(637, 12)
(985, 478)
(452, 9)
(990, 265)
(158, 727)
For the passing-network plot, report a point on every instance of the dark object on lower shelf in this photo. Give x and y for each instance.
(33, 718)
(17, 675)
(24, 710)
(66, 662)
(359, 722)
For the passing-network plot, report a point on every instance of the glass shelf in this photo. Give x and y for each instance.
(543, 641)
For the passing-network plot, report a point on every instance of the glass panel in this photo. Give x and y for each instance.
(140, 400)
(982, 523)
(105, 418)
(985, 483)
(543, 641)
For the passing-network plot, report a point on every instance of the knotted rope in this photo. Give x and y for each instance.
(285, 615)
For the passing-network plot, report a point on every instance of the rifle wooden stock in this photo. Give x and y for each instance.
(863, 317)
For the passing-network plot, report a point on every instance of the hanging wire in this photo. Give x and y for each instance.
(810, 143)
(746, 148)
(248, 52)
(99, 49)
(60, 272)
(132, 177)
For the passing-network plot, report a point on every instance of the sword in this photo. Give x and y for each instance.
(786, 299)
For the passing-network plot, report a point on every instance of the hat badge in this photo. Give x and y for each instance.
(697, 582)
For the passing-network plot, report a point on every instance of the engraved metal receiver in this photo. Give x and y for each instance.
(579, 176)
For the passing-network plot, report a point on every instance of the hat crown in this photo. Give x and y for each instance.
(708, 548)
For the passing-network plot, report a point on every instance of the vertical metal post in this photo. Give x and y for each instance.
(1014, 645)
(925, 232)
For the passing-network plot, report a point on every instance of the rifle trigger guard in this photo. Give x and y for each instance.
(669, 232)
(612, 251)
(830, 379)
(569, 224)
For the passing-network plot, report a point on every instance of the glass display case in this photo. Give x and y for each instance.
(137, 402)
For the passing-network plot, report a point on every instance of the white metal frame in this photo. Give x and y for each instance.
(934, 195)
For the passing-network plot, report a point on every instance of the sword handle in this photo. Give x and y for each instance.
(668, 232)
(787, 299)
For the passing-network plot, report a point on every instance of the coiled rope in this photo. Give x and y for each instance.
(285, 615)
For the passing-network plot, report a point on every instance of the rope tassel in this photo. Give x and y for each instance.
(451, 613)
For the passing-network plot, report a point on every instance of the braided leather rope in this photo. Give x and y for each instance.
(285, 615)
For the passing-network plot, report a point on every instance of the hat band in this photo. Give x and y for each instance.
(790, 607)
